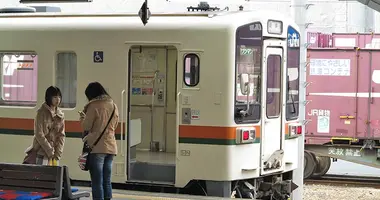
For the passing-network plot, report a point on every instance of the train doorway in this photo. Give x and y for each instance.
(151, 138)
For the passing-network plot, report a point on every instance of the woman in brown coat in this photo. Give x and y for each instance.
(49, 130)
(94, 120)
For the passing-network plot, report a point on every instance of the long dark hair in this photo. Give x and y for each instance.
(50, 93)
(95, 89)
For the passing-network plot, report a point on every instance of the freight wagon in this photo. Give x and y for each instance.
(342, 103)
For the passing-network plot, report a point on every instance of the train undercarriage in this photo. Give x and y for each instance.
(315, 165)
(273, 187)
(267, 188)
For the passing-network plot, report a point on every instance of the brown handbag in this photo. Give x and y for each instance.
(30, 157)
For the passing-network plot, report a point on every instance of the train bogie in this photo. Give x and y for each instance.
(224, 116)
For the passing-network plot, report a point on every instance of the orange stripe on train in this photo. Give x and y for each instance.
(187, 131)
(210, 132)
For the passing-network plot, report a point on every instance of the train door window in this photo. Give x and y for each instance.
(19, 71)
(191, 70)
(273, 86)
(66, 78)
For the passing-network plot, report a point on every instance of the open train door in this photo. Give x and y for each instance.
(151, 114)
(272, 123)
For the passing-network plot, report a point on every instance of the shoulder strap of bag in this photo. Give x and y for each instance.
(113, 112)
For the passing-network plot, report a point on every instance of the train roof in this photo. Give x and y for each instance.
(169, 21)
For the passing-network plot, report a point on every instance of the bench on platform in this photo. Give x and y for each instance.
(68, 192)
(30, 182)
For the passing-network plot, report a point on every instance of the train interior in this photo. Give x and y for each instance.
(152, 130)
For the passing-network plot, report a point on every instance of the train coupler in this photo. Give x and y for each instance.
(279, 190)
(282, 190)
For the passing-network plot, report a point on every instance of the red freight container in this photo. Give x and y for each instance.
(361, 40)
(317, 39)
(313, 39)
(343, 101)
(325, 40)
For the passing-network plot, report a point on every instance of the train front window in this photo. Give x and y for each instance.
(293, 71)
(248, 62)
(247, 73)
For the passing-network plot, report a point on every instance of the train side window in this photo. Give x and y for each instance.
(191, 70)
(66, 78)
(19, 72)
(273, 86)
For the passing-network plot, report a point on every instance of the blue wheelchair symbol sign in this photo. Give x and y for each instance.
(98, 56)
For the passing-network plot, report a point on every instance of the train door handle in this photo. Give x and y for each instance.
(122, 124)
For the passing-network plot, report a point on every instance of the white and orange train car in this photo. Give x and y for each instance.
(210, 98)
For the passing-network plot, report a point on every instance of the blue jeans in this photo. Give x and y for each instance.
(100, 167)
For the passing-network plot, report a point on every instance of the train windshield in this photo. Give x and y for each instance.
(248, 70)
(293, 71)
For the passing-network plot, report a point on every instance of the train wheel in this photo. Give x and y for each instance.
(240, 193)
(323, 166)
(310, 165)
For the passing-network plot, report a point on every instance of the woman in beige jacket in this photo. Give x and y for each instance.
(94, 120)
(49, 129)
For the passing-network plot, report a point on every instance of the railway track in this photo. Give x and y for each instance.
(342, 180)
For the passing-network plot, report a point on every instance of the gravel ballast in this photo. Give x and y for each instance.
(326, 192)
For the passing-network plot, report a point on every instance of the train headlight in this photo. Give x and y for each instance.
(275, 27)
(245, 135)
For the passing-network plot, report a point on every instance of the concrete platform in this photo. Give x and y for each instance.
(135, 195)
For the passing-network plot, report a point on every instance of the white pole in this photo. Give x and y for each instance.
(298, 12)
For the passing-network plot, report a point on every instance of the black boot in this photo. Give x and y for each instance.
(107, 198)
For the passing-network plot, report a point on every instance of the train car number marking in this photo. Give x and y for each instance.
(185, 152)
